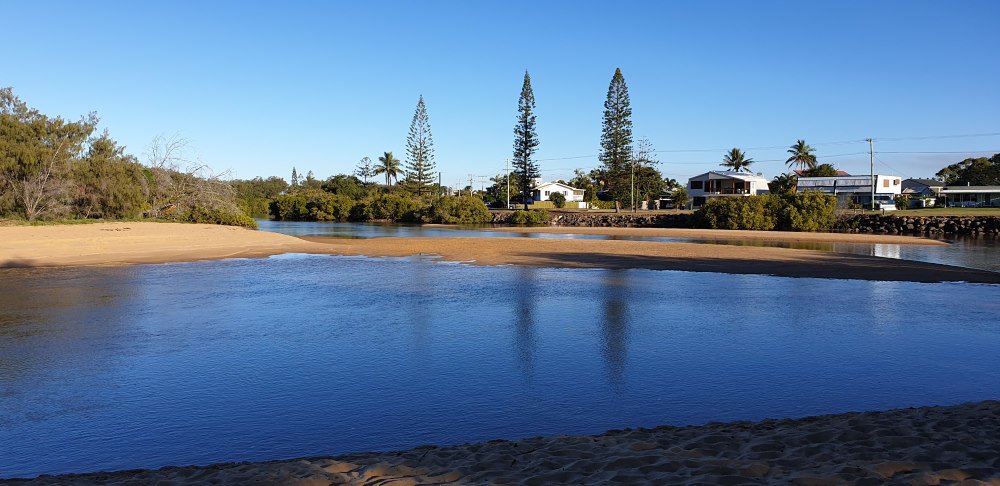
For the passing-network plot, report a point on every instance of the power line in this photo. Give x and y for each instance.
(962, 152)
(935, 137)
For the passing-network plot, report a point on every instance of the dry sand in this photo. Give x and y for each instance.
(931, 445)
(130, 243)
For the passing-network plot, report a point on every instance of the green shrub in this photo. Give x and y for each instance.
(558, 199)
(330, 207)
(391, 207)
(530, 217)
(599, 204)
(218, 216)
(290, 207)
(256, 207)
(460, 209)
(807, 211)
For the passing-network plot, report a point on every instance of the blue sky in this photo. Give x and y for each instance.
(258, 88)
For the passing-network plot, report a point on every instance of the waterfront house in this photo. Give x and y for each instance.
(719, 183)
(971, 196)
(543, 190)
(922, 192)
(855, 189)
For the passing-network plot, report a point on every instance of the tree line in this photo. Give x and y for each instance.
(52, 168)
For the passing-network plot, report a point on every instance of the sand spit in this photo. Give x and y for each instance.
(919, 446)
(136, 242)
(143, 242)
(710, 234)
(692, 257)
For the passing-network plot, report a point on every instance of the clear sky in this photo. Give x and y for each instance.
(260, 87)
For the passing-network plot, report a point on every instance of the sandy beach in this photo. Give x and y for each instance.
(919, 446)
(135, 243)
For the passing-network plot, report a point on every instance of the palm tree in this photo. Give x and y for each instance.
(390, 166)
(783, 184)
(737, 161)
(802, 155)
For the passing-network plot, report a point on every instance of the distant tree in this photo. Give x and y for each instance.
(558, 199)
(525, 141)
(497, 193)
(783, 184)
(344, 185)
(582, 180)
(390, 166)
(680, 197)
(616, 139)
(821, 170)
(979, 171)
(801, 155)
(419, 152)
(648, 180)
(311, 182)
(295, 178)
(737, 161)
(365, 169)
(107, 183)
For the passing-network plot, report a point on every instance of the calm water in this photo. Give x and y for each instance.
(195, 363)
(981, 253)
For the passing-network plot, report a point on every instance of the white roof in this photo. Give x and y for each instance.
(728, 174)
(969, 189)
(559, 184)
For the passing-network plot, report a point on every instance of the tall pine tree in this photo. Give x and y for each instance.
(420, 152)
(616, 140)
(525, 141)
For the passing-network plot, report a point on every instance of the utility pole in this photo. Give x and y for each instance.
(470, 184)
(871, 158)
(439, 184)
(506, 168)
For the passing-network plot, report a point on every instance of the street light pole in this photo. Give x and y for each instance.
(506, 168)
(631, 156)
(871, 157)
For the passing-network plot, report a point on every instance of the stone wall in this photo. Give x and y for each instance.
(614, 220)
(922, 225)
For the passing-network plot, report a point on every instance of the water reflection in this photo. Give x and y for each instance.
(614, 327)
(524, 322)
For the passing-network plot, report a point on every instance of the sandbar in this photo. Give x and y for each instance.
(147, 242)
(928, 445)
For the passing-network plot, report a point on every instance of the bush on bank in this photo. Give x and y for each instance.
(805, 211)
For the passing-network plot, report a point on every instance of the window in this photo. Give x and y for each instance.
(885, 183)
(895, 182)
(696, 184)
(546, 193)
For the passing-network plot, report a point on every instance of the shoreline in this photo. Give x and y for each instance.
(103, 244)
(925, 445)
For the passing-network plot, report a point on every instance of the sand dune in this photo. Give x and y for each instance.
(931, 445)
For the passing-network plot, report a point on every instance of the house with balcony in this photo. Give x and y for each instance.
(718, 183)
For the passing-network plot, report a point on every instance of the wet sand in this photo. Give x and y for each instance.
(919, 446)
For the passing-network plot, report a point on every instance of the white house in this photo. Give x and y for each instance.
(543, 190)
(717, 183)
(857, 189)
(971, 196)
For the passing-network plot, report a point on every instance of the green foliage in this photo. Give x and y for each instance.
(290, 207)
(821, 170)
(107, 183)
(740, 213)
(207, 215)
(419, 152)
(525, 142)
(783, 184)
(558, 199)
(735, 160)
(530, 217)
(680, 197)
(801, 154)
(616, 139)
(323, 206)
(460, 209)
(808, 211)
(974, 172)
(345, 185)
(390, 166)
(388, 207)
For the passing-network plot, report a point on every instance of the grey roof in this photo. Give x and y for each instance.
(926, 182)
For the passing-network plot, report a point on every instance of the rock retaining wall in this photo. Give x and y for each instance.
(922, 225)
(614, 220)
